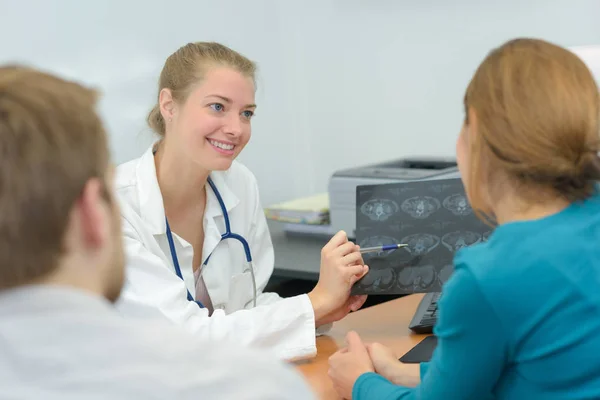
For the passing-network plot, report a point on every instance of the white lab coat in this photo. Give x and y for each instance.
(285, 326)
(65, 343)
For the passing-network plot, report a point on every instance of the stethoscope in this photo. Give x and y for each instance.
(227, 235)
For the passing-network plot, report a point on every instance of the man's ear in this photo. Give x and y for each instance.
(166, 104)
(92, 214)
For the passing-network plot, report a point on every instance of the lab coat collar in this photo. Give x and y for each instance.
(213, 212)
(213, 209)
(152, 208)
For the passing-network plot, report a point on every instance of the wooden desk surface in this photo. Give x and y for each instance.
(386, 323)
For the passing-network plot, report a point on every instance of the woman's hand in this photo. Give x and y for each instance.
(386, 364)
(383, 358)
(347, 365)
(341, 266)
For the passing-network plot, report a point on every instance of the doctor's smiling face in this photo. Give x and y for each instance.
(205, 104)
(213, 125)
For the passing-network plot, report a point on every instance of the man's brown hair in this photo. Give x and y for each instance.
(537, 108)
(51, 143)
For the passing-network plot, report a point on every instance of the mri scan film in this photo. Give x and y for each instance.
(433, 218)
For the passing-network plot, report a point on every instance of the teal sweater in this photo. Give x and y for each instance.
(519, 318)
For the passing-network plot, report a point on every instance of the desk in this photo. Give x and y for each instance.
(296, 256)
(386, 323)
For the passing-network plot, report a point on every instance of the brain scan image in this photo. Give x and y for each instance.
(398, 191)
(431, 218)
(445, 273)
(420, 243)
(374, 241)
(400, 227)
(379, 280)
(420, 207)
(440, 225)
(379, 209)
(458, 205)
(439, 188)
(454, 241)
(416, 279)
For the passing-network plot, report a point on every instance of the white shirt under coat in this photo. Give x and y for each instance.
(285, 326)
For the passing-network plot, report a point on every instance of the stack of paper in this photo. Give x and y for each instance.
(312, 230)
(313, 210)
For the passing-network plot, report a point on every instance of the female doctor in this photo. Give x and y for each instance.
(197, 243)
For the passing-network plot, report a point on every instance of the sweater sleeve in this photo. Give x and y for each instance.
(470, 354)
(423, 369)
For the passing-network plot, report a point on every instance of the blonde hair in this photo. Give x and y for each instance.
(537, 108)
(51, 143)
(188, 66)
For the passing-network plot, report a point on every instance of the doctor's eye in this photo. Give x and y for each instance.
(248, 114)
(217, 106)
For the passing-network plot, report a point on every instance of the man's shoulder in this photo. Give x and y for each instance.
(220, 368)
(108, 358)
(157, 353)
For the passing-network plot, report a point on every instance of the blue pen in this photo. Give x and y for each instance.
(386, 247)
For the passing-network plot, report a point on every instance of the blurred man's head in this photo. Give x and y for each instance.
(59, 222)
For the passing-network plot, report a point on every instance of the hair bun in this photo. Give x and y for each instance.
(579, 175)
(564, 176)
(588, 166)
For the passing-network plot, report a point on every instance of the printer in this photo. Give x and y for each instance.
(342, 184)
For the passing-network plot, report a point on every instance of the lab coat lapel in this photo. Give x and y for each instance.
(152, 211)
(213, 217)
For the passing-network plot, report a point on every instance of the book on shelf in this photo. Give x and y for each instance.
(311, 210)
(306, 229)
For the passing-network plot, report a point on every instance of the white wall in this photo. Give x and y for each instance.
(342, 82)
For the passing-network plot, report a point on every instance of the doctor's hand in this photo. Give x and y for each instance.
(352, 304)
(341, 267)
(348, 364)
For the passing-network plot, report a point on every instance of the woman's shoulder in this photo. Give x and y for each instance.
(500, 259)
(520, 252)
(125, 174)
(129, 172)
(126, 183)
